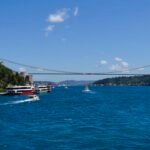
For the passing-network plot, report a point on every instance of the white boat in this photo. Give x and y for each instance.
(86, 89)
(20, 90)
(43, 89)
(33, 97)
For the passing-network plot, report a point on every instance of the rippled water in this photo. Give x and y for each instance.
(107, 118)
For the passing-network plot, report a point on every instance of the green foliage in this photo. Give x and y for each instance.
(134, 80)
(9, 77)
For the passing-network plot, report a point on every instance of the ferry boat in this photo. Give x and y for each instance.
(20, 90)
(43, 89)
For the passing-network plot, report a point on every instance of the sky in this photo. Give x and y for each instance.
(75, 35)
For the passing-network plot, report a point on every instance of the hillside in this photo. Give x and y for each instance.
(7, 76)
(66, 82)
(74, 82)
(133, 80)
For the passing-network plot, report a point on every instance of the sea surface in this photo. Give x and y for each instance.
(106, 118)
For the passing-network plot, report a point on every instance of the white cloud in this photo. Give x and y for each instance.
(124, 64)
(118, 59)
(121, 65)
(50, 28)
(103, 62)
(115, 67)
(59, 16)
(76, 11)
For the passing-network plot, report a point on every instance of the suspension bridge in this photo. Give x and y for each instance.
(47, 71)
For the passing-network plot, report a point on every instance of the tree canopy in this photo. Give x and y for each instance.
(132, 80)
(7, 77)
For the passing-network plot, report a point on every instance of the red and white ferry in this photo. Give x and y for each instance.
(20, 90)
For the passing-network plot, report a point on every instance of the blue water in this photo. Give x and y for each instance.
(108, 118)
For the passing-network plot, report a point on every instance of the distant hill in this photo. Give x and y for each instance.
(7, 76)
(133, 80)
(43, 82)
(65, 83)
(74, 82)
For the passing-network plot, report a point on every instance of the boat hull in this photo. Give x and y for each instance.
(20, 93)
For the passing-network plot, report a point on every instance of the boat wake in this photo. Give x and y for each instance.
(19, 101)
(89, 92)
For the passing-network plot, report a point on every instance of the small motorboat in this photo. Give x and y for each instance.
(66, 87)
(33, 97)
(86, 89)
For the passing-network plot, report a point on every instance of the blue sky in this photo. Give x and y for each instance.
(85, 36)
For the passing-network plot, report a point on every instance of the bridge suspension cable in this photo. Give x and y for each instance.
(62, 72)
(34, 67)
(91, 74)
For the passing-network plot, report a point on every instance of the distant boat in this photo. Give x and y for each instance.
(43, 89)
(33, 97)
(66, 87)
(86, 89)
